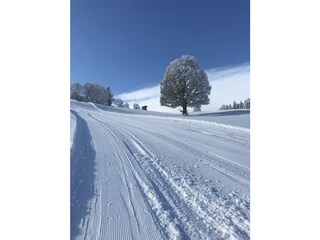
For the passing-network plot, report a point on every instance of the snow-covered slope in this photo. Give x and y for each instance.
(240, 117)
(144, 175)
(73, 126)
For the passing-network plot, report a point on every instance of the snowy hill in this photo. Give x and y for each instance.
(240, 117)
(146, 175)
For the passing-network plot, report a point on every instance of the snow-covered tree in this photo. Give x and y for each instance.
(76, 91)
(247, 103)
(91, 92)
(88, 92)
(184, 84)
(108, 96)
(126, 105)
(94, 93)
(118, 102)
(223, 107)
(235, 105)
(241, 105)
(99, 94)
(136, 106)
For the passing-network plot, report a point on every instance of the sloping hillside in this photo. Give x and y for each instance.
(144, 175)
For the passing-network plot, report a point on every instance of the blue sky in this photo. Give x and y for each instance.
(128, 44)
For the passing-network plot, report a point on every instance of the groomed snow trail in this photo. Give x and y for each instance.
(154, 177)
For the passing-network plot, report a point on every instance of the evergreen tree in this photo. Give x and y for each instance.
(234, 105)
(241, 105)
(247, 103)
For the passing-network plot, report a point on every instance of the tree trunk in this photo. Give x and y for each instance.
(184, 111)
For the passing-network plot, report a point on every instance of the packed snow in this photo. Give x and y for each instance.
(138, 174)
(73, 126)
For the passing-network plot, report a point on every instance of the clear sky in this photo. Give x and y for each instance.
(127, 44)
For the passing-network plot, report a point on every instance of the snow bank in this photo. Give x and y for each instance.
(73, 125)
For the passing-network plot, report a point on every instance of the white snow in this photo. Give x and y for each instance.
(146, 175)
(73, 125)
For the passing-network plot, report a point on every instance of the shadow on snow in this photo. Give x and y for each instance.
(82, 175)
(226, 113)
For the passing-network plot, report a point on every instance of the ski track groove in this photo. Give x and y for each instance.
(225, 166)
(122, 151)
(120, 234)
(229, 231)
(180, 205)
(187, 191)
(224, 137)
(149, 192)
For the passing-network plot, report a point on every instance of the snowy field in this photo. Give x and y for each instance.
(239, 117)
(145, 175)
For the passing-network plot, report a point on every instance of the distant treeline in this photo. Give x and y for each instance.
(96, 93)
(91, 92)
(241, 105)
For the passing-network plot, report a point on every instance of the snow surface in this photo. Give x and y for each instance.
(143, 175)
(240, 117)
(73, 125)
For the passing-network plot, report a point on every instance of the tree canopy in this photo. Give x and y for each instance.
(91, 92)
(185, 85)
